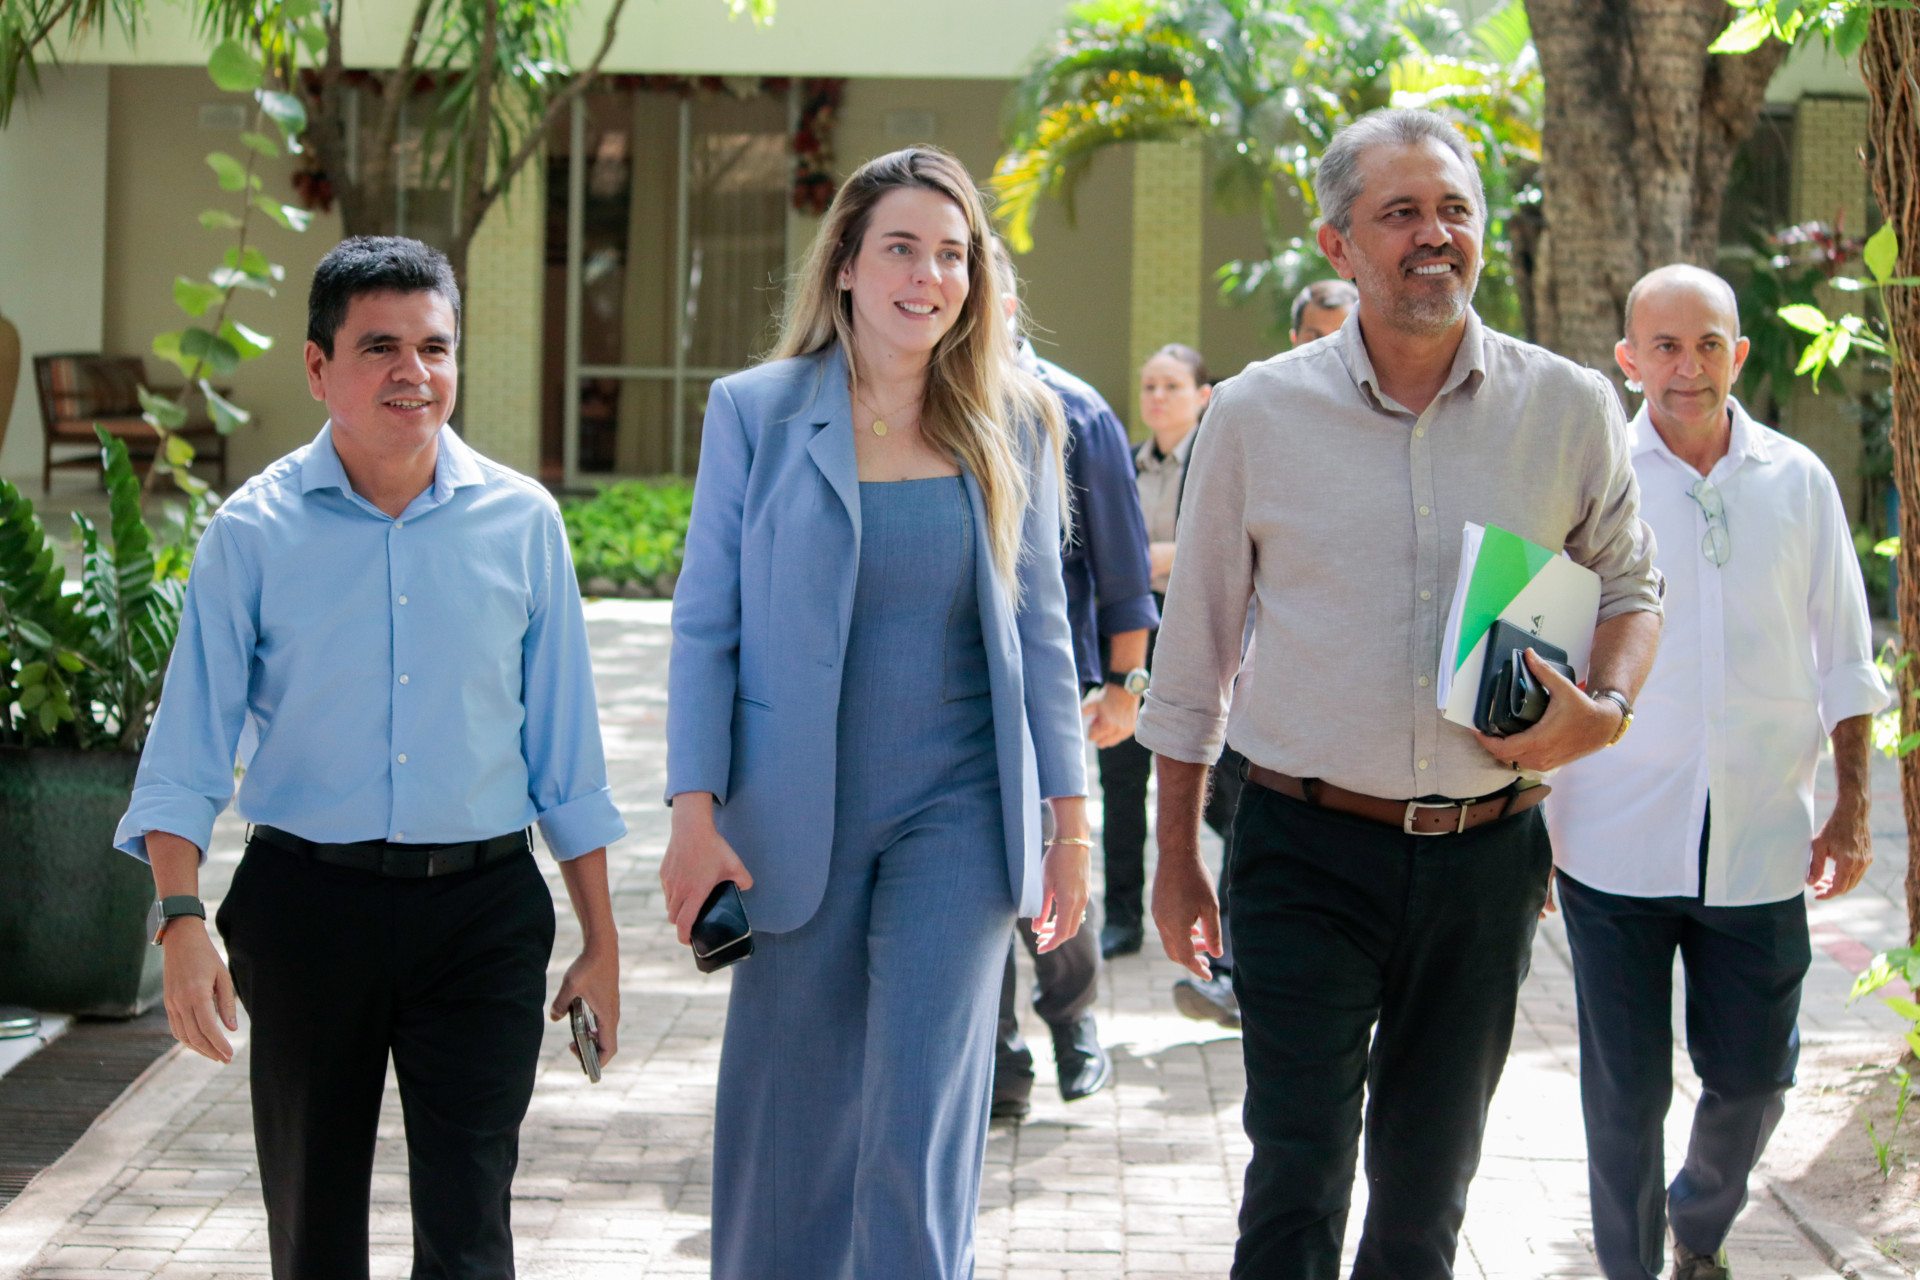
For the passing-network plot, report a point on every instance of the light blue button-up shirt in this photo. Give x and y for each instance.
(424, 680)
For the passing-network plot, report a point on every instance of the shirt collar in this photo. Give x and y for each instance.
(1469, 362)
(1149, 454)
(1748, 442)
(456, 467)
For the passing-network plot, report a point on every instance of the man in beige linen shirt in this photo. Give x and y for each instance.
(1330, 485)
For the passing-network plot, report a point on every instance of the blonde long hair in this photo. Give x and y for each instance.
(977, 403)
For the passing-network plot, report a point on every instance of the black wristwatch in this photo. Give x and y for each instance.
(170, 908)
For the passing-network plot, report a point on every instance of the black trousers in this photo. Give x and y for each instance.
(1125, 770)
(340, 968)
(1744, 967)
(1066, 981)
(1378, 965)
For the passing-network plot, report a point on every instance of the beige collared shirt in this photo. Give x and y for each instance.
(1159, 476)
(1339, 512)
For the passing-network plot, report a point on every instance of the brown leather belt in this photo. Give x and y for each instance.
(1411, 816)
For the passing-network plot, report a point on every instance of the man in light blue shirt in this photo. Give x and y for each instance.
(383, 629)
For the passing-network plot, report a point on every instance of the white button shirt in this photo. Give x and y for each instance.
(1759, 660)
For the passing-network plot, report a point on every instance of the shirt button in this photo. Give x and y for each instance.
(1423, 511)
(399, 524)
(399, 835)
(1418, 432)
(403, 599)
(402, 757)
(1426, 595)
(1424, 682)
(403, 679)
(1423, 764)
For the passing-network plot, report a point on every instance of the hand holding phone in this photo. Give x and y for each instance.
(586, 1032)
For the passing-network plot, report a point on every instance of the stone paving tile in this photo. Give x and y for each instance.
(1142, 1180)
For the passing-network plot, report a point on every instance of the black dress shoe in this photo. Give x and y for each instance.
(1120, 939)
(1209, 1001)
(1084, 1066)
(1009, 1108)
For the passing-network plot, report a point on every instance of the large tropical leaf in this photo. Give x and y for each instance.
(1131, 108)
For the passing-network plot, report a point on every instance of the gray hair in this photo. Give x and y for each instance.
(1337, 181)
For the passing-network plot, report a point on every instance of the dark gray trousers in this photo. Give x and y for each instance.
(1744, 967)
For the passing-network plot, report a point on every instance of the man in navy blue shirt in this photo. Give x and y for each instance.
(1109, 580)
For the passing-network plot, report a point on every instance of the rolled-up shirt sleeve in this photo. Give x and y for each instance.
(186, 773)
(566, 765)
(1608, 535)
(1184, 715)
(1842, 632)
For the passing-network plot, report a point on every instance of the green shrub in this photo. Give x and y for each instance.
(630, 535)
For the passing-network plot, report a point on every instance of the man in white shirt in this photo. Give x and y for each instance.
(1695, 832)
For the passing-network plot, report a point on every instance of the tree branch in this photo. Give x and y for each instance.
(479, 124)
(561, 102)
(398, 83)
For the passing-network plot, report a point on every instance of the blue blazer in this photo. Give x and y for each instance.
(761, 614)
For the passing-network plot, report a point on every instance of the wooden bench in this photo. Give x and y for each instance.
(82, 389)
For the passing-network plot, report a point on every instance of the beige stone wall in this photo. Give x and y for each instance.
(1169, 215)
(506, 275)
(157, 183)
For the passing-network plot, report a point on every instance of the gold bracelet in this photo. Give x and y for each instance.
(1082, 841)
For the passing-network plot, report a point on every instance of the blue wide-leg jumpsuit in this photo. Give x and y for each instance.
(858, 1059)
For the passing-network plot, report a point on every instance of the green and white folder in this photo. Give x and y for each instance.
(1502, 575)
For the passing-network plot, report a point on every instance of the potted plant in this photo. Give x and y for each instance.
(80, 676)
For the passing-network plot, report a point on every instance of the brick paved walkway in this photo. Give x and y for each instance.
(1142, 1180)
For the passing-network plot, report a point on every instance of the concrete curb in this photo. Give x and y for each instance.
(104, 1155)
(1844, 1249)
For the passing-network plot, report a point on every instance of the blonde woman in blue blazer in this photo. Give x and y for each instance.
(871, 692)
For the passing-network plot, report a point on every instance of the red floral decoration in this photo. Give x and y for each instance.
(813, 180)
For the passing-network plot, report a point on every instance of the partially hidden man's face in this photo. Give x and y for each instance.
(392, 378)
(1413, 247)
(1317, 322)
(1685, 350)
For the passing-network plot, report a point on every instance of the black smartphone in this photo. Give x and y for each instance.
(586, 1033)
(721, 935)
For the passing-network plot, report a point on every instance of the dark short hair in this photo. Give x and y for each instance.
(1187, 356)
(1328, 295)
(374, 264)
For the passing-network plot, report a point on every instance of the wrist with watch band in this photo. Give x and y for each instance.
(1625, 704)
(1134, 682)
(171, 908)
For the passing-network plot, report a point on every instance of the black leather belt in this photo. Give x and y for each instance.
(401, 861)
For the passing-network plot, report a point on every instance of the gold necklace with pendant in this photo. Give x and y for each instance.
(879, 423)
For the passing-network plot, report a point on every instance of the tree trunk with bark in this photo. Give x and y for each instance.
(1640, 130)
(1890, 65)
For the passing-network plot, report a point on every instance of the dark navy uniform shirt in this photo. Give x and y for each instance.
(1108, 572)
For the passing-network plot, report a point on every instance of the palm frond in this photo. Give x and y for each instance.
(1130, 108)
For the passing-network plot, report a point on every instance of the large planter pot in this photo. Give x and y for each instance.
(9, 372)
(72, 908)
